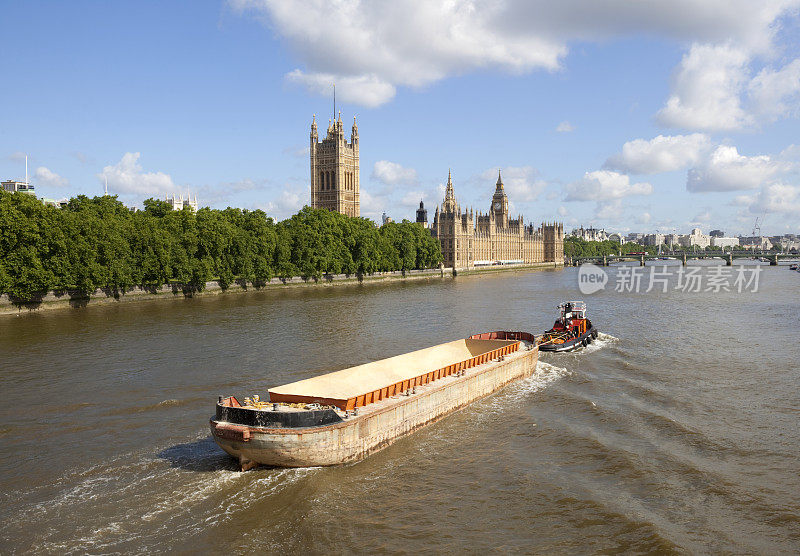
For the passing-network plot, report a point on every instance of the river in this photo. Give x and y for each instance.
(676, 432)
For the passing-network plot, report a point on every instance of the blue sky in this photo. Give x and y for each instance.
(626, 116)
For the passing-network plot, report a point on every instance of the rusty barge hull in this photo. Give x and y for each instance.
(385, 414)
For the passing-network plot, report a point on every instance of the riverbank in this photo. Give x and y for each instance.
(507, 268)
(65, 299)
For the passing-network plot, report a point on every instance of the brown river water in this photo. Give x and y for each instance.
(677, 432)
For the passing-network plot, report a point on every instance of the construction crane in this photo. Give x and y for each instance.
(757, 230)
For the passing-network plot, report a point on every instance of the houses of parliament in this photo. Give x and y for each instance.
(467, 239)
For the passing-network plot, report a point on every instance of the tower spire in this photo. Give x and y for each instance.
(449, 204)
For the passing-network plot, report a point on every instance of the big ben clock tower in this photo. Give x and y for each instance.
(500, 203)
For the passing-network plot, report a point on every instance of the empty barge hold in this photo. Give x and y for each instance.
(346, 415)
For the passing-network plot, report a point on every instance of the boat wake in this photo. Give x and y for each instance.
(108, 505)
(544, 375)
(603, 340)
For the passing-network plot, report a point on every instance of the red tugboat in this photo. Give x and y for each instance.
(571, 331)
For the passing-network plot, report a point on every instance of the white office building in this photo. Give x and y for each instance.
(724, 242)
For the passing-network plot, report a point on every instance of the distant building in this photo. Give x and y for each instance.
(386, 219)
(14, 186)
(422, 215)
(755, 242)
(653, 239)
(789, 242)
(724, 242)
(334, 169)
(634, 237)
(616, 237)
(696, 238)
(716, 233)
(179, 203)
(474, 239)
(590, 234)
(672, 239)
(60, 203)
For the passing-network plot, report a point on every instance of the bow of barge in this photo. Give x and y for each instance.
(346, 415)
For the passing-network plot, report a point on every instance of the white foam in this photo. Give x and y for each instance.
(602, 340)
(544, 375)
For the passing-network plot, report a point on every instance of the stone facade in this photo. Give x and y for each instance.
(469, 239)
(335, 178)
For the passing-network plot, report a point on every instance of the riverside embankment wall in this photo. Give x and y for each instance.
(73, 298)
(508, 268)
(64, 299)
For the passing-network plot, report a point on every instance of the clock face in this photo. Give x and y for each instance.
(497, 205)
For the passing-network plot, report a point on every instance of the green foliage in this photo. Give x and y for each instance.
(576, 247)
(98, 243)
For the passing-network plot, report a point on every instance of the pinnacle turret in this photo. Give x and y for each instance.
(450, 204)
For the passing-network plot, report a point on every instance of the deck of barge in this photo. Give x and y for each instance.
(369, 383)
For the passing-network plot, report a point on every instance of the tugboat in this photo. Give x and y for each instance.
(571, 331)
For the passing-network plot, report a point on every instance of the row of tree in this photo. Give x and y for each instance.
(98, 243)
(576, 247)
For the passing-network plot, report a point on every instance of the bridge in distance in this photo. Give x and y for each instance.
(728, 257)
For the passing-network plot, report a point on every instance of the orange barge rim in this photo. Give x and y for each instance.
(372, 382)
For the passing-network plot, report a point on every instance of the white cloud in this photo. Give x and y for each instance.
(792, 153)
(605, 185)
(519, 182)
(412, 199)
(562, 211)
(775, 198)
(565, 127)
(370, 48)
(45, 176)
(706, 89)
(660, 154)
(81, 157)
(17, 156)
(727, 170)
(702, 218)
(609, 210)
(644, 218)
(128, 177)
(776, 93)
(297, 151)
(392, 173)
(373, 206)
(366, 90)
(288, 202)
(714, 89)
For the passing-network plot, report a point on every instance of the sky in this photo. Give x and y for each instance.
(631, 116)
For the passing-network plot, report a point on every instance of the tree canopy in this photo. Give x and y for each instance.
(98, 243)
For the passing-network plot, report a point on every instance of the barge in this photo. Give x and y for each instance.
(347, 415)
